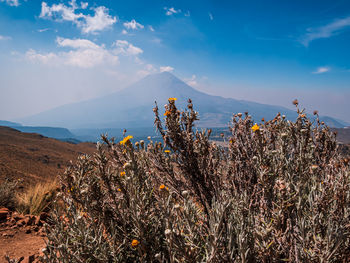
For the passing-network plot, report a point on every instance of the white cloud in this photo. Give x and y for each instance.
(124, 32)
(126, 48)
(76, 43)
(89, 24)
(148, 69)
(11, 2)
(170, 11)
(133, 25)
(151, 28)
(321, 70)
(211, 16)
(84, 5)
(325, 31)
(166, 69)
(4, 37)
(99, 21)
(46, 58)
(83, 53)
(187, 13)
(192, 81)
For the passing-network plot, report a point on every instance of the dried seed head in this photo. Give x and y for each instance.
(284, 135)
(167, 232)
(185, 193)
(127, 165)
(239, 114)
(295, 102)
(314, 167)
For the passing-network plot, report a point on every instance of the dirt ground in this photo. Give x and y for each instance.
(16, 243)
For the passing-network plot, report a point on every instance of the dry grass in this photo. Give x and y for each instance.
(7, 194)
(37, 198)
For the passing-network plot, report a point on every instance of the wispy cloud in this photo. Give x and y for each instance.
(151, 28)
(325, 31)
(5, 37)
(192, 81)
(321, 70)
(166, 69)
(170, 11)
(126, 48)
(133, 25)
(11, 2)
(89, 24)
(211, 16)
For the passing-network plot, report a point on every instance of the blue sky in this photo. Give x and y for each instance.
(58, 52)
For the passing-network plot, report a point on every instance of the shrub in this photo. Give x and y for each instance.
(36, 198)
(278, 192)
(7, 194)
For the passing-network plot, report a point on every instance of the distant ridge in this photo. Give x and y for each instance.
(132, 107)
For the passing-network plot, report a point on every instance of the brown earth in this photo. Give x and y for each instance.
(31, 158)
(21, 236)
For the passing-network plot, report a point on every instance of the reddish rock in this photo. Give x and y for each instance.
(29, 220)
(37, 221)
(21, 222)
(3, 215)
(44, 216)
(17, 216)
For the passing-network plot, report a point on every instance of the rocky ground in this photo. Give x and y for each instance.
(22, 237)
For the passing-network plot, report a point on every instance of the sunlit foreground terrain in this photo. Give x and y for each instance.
(279, 192)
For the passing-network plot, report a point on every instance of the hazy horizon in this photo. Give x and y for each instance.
(57, 52)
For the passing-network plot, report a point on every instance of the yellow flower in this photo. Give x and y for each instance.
(255, 127)
(167, 113)
(172, 99)
(135, 243)
(167, 151)
(126, 140)
(119, 190)
(163, 187)
(122, 173)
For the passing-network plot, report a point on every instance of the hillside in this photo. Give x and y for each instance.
(132, 107)
(32, 157)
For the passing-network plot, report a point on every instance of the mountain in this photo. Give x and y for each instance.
(51, 132)
(9, 123)
(132, 107)
(34, 158)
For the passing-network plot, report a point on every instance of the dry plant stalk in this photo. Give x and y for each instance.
(278, 193)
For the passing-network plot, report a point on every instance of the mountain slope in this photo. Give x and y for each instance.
(32, 157)
(132, 107)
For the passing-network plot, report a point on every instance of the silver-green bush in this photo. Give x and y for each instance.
(279, 192)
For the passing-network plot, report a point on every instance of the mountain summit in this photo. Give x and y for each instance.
(132, 107)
